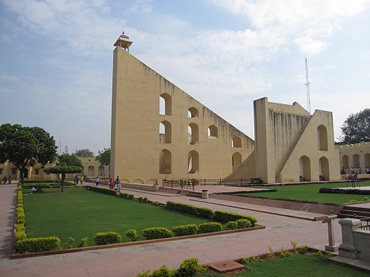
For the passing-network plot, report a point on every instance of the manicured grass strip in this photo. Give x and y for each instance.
(79, 213)
(310, 192)
(299, 265)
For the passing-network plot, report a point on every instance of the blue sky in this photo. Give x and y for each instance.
(56, 58)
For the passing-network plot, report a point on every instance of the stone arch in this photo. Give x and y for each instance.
(305, 168)
(165, 132)
(101, 170)
(165, 161)
(236, 161)
(356, 160)
(324, 173)
(322, 138)
(193, 162)
(367, 160)
(236, 142)
(138, 181)
(193, 133)
(345, 161)
(165, 104)
(193, 112)
(91, 171)
(212, 131)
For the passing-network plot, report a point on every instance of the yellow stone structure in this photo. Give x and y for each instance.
(292, 145)
(356, 156)
(159, 131)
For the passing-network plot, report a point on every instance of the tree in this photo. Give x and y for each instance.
(67, 159)
(23, 146)
(356, 128)
(83, 153)
(104, 156)
(63, 169)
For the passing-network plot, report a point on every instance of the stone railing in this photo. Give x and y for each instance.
(356, 242)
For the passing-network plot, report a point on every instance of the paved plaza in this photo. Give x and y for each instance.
(282, 227)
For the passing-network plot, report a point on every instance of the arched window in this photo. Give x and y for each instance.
(236, 161)
(193, 162)
(322, 138)
(367, 160)
(90, 171)
(165, 131)
(193, 133)
(165, 162)
(212, 131)
(356, 160)
(165, 104)
(324, 169)
(304, 169)
(237, 142)
(193, 112)
(345, 162)
(101, 171)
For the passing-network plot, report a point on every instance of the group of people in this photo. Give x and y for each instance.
(352, 171)
(116, 184)
(80, 179)
(7, 179)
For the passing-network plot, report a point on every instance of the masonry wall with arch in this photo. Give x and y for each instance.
(356, 156)
(193, 142)
(285, 150)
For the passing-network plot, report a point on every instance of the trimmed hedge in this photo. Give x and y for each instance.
(185, 208)
(231, 225)
(103, 238)
(132, 234)
(101, 190)
(20, 235)
(209, 227)
(190, 267)
(243, 223)
(126, 196)
(224, 217)
(37, 244)
(157, 233)
(184, 230)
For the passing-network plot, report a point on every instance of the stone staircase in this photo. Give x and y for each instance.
(351, 211)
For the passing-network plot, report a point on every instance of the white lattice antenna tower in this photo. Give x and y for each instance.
(308, 89)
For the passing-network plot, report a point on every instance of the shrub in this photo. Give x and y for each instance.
(223, 217)
(164, 271)
(303, 249)
(20, 227)
(101, 190)
(185, 208)
(69, 243)
(20, 235)
(126, 196)
(366, 198)
(352, 201)
(103, 238)
(37, 244)
(83, 242)
(243, 223)
(183, 230)
(190, 267)
(157, 233)
(132, 234)
(155, 203)
(209, 227)
(231, 225)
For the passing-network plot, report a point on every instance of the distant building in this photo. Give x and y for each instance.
(355, 156)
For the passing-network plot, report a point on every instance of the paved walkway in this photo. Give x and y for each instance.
(126, 261)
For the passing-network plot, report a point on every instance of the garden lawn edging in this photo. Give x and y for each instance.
(127, 244)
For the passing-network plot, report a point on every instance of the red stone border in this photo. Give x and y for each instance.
(126, 244)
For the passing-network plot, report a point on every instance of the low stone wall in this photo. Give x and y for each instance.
(140, 187)
(278, 203)
(356, 242)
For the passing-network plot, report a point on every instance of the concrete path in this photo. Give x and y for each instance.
(126, 261)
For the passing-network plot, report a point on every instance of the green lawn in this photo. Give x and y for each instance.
(310, 192)
(298, 265)
(79, 213)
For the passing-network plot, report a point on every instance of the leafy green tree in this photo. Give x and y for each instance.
(356, 128)
(63, 170)
(104, 156)
(23, 146)
(67, 159)
(83, 153)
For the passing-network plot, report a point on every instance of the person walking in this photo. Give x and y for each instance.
(9, 179)
(97, 180)
(111, 183)
(5, 179)
(82, 180)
